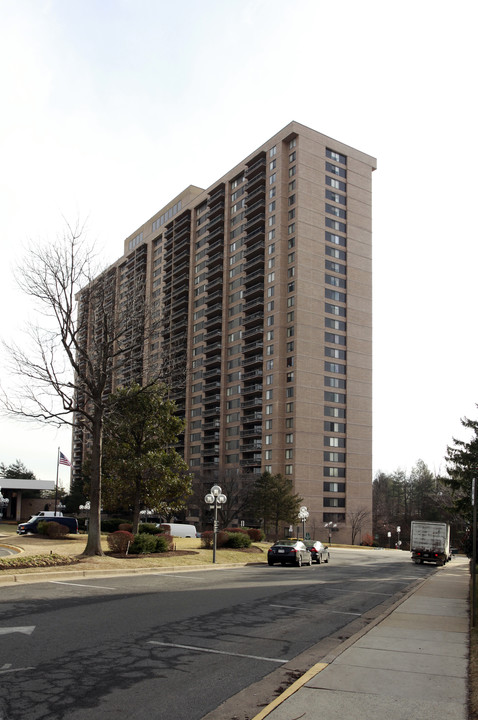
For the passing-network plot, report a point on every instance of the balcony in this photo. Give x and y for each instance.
(252, 389)
(256, 165)
(255, 431)
(251, 417)
(252, 208)
(256, 332)
(258, 195)
(255, 263)
(256, 248)
(255, 182)
(256, 221)
(253, 402)
(217, 209)
(253, 319)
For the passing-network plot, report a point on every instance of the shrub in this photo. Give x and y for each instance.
(255, 534)
(55, 530)
(148, 528)
(118, 541)
(42, 528)
(238, 540)
(367, 540)
(164, 543)
(143, 544)
(128, 527)
(110, 525)
(207, 539)
(236, 530)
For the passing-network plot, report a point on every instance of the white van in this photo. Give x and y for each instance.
(47, 513)
(178, 530)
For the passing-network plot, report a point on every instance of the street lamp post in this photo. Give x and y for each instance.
(213, 499)
(399, 530)
(330, 526)
(473, 559)
(303, 515)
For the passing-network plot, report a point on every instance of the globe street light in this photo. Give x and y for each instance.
(303, 515)
(330, 526)
(213, 499)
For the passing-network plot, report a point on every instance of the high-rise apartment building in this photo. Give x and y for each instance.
(262, 288)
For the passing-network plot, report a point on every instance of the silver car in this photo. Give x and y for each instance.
(289, 551)
(320, 553)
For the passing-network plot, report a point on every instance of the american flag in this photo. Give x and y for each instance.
(64, 460)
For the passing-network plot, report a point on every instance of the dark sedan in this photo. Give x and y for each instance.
(289, 551)
(320, 553)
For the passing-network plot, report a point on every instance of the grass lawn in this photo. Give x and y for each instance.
(188, 552)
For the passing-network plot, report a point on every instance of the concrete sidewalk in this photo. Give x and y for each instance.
(412, 665)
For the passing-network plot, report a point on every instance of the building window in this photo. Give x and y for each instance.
(336, 281)
(334, 502)
(335, 239)
(334, 487)
(334, 457)
(334, 397)
(334, 427)
(334, 368)
(333, 210)
(334, 412)
(335, 183)
(332, 155)
(335, 170)
(288, 470)
(334, 382)
(331, 441)
(334, 472)
(289, 454)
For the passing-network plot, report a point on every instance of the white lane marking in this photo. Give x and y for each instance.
(287, 607)
(27, 630)
(216, 652)
(181, 577)
(8, 669)
(98, 587)
(325, 609)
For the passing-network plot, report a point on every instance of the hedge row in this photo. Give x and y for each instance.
(35, 561)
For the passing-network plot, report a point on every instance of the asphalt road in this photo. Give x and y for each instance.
(177, 645)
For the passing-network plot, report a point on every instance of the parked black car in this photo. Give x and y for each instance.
(289, 551)
(320, 553)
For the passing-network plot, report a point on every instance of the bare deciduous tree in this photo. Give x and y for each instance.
(84, 339)
(358, 518)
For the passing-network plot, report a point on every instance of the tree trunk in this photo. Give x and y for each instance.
(93, 545)
(136, 508)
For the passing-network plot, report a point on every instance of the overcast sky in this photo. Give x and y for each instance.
(111, 107)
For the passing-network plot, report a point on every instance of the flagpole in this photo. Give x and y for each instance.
(56, 484)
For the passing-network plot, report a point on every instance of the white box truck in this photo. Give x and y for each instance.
(430, 542)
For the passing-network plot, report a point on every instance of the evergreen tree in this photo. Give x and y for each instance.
(16, 470)
(462, 468)
(273, 501)
(142, 468)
